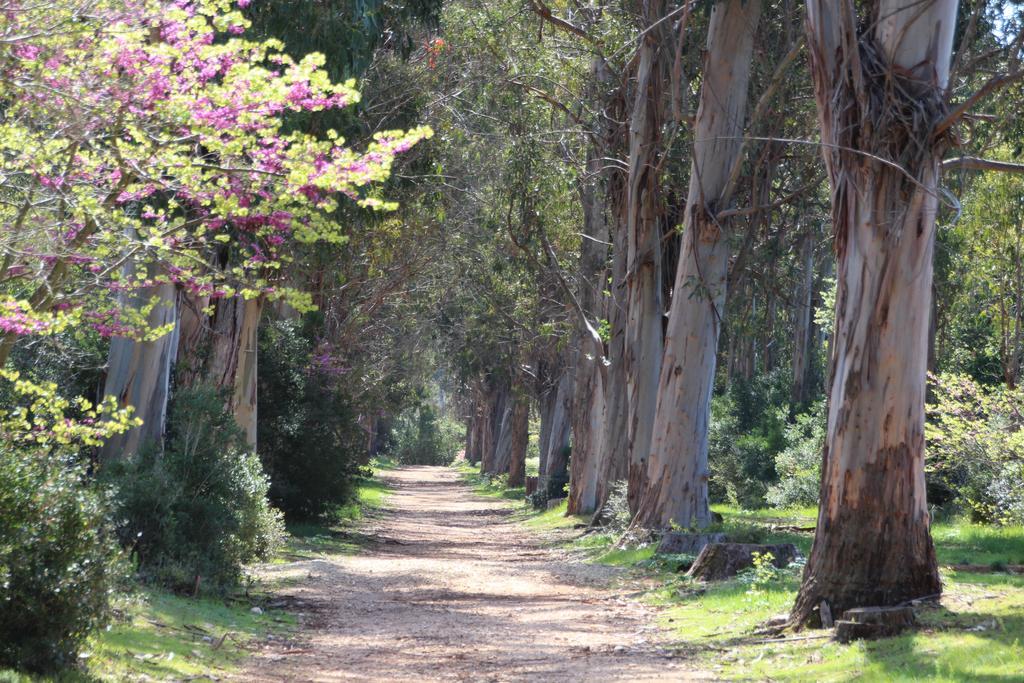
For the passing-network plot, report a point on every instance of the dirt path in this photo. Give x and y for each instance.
(454, 590)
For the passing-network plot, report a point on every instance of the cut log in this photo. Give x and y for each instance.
(719, 561)
(866, 623)
(678, 543)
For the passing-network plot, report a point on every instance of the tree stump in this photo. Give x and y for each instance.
(867, 623)
(531, 485)
(678, 543)
(719, 561)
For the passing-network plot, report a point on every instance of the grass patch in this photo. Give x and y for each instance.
(977, 633)
(162, 636)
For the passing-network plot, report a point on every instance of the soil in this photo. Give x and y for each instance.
(451, 588)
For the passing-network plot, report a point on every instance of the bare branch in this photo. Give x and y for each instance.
(979, 164)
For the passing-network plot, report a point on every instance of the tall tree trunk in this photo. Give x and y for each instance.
(139, 374)
(615, 440)
(554, 447)
(520, 437)
(803, 314)
(677, 469)
(233, 356)
(588, 410)
(495, 415)
(873, 544)
(502, 459)
(643, 229)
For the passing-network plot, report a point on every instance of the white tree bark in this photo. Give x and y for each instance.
(873, 545)
(138, 375)
(677, 468)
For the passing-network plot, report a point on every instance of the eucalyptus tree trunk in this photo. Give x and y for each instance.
(498, 401)
(520, 437)
(502, 459)
(589, 404)
(880, 88)
(233, 356)
(556, 421)
(677, 468)
(803, 317)
(139, 374)
(615, 440)
(643, 230)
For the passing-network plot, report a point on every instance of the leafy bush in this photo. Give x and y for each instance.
(195, 514)
(309, 436)
(422, 438)
(59, 560)
(799, 464)
(975, 439)
(747, 430)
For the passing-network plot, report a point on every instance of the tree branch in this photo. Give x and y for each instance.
(979, 164)
(993, 84)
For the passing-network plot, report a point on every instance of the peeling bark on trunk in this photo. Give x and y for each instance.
(879, 95)
(556, 427)
(589, 404)
(677, 467)
(138, 375)
(588, 428)
(520, 436)
(233, 355)
(494, 414)
(643, 226)
(502, 459)
(615, 440)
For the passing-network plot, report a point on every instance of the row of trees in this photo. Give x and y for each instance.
(619, 305)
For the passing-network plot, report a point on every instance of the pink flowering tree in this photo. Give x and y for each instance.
(143, 140)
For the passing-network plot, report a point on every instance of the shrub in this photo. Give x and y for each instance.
(799, 464)
(59, 560)
(421, 438)
(746, 432)
(195, 514)
(975, 439)
(309, 436)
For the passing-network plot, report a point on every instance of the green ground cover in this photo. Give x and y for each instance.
(975, 633)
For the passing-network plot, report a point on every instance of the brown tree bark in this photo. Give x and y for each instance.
(677, 467)
(233, 358)
(880, 87)
(520, 436)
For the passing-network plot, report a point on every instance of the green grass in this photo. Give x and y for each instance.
(976, 634)
(169, 637)
(492, 487)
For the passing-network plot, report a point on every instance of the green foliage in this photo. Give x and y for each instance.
(799, 464)
(974, 444)
(198, 512)
(59, 560)
(747, 430)
(308, 434)
(421, 437)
